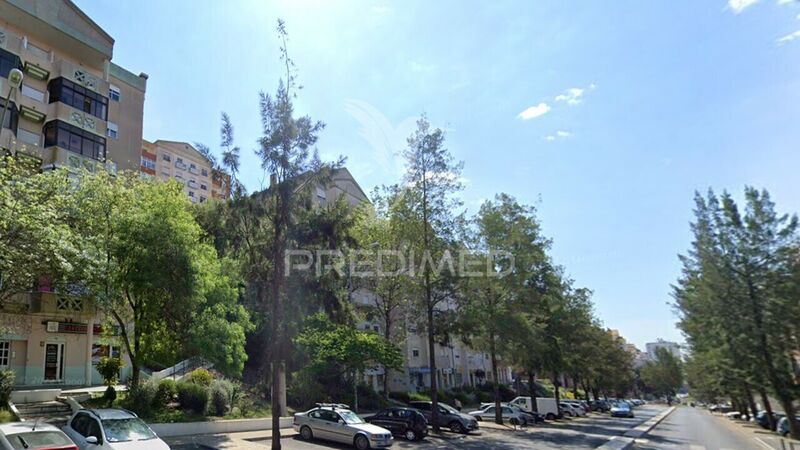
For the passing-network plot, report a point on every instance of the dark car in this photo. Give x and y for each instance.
(406, 422)
(447, 417)
(601, 405)
(763, 420)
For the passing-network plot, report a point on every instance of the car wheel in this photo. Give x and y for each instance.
(456, 427)
(410, 435)
(361, 442)
(550, 416)
(306, 434)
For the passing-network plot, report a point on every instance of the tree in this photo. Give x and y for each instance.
(425, 212)
(664, 376)
(35, 236)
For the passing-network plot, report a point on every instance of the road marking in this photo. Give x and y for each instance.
(764, 443)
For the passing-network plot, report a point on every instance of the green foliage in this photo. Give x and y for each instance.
(223, 395)
(109, 369)
(200, 376)
(7, 416)
(6, 385)
(305, 390)
(193, 397)
(110, 395)
(140, 398)
(165, 393)
(664, 376)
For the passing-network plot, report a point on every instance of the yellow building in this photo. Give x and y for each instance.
(180, 161)
(75, 107)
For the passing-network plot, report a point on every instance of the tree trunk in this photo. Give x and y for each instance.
(556, 386)
(532, 391)
(498, 410)
(434, 384)
(387, 334)
(751, 403)
(768, 408)
(575, 387)
(276, 291)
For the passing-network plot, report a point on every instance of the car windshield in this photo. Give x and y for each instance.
(351, 417)
(448, 408)
(124, 430)
(38, 439)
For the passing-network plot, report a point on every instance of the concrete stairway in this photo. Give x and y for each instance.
(54, 412)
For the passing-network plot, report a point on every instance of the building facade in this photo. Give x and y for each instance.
(75, 108)
(672, 347)
(180, 161)
(78, 110)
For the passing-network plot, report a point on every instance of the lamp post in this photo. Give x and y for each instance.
(14, 82)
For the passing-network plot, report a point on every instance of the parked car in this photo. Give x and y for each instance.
(601, 405)
(111, 429)
(570, 410)
(406, 422)
(783, 426)
(763, 421)
(34, 436)
(577, 407)
(621, 409)
(511, 414)
(335, 422)
(447, 417)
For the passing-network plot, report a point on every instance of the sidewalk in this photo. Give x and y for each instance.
(765, 438)
(245, 440)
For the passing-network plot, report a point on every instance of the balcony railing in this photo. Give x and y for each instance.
(180, 165)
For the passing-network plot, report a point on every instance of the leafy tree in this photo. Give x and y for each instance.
(35, 237)
(425, 218)
(664, 376)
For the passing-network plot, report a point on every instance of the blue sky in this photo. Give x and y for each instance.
(605, 115)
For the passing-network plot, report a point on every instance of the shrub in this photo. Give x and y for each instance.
(165, 393)
(140, 398)
(418, 396)
(400, 396)
(222, 393)
(109, 369)
(304, 390)
(193, 397)
(200, 376)
(6, 385)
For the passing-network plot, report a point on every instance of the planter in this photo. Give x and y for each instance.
(217, 426)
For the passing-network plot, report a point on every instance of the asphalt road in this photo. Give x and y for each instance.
(696, 429)
(576, 434)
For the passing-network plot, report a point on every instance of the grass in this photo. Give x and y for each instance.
(7, 416)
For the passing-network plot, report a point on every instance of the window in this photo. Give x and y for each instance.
(114, 93)
(104, 350)
(81, 423)
(28, 137)
(415, 353)
(203, 199)
(166, 157)
(5, 353)
(72, 94)
(191, 193)
(204, 172)
(112, 130)
(12, 115)
(33, 93)
(376, 328)
(148, 163)
(66, 136)
(321, 193)
(8, 61)
(204, 187)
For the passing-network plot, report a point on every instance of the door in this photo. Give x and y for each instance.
(54, 361)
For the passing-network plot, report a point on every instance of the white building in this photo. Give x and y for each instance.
(672, 347)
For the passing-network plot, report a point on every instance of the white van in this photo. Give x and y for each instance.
(547, 407)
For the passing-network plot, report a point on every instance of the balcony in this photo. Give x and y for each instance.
(80, 75)
(193, 170)
(180, 165)
(192, 184)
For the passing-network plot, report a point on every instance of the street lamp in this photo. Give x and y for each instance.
(14, 82)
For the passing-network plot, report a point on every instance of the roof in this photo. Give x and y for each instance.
(190, 147)
(127, 77)
(24, 427)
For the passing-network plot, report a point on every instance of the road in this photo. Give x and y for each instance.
(578, 434)
(696, 429)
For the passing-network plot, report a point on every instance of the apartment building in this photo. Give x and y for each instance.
(180, 161)
(75, 109)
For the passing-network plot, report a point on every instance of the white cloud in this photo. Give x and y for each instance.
(573, 96)
(738, 6)
(534, 111)
(784, 2)
(788, 38)
(563, 134)
(550, 138)
(560, 134)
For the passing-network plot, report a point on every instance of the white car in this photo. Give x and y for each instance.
(511, 414)
(570, 410)
(111, 429)
(334, 422)
(581, 411)
(33, 436)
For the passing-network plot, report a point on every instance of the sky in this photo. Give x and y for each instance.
(604, 115)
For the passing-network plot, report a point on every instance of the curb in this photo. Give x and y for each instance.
(625, 441)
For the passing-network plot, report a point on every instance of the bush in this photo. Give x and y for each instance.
(165, 393)
(304, 390)
(223, 393)
(140, 398)
(109, 369)
(418, 396)
(193, 397)
(6, 385)
(200, 376)
(400, 396)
